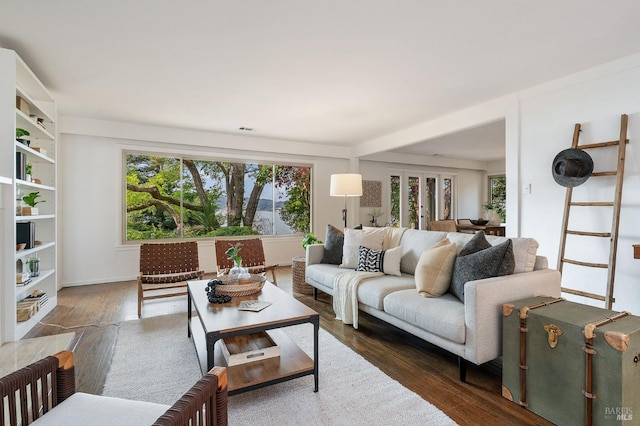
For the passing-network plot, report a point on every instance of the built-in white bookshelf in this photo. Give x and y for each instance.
(37, 115)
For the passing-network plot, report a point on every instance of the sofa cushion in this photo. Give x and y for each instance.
(354, 238)
(524, 249)
(386, 261)
(494, 261)
(333, 245)
(322, 273)
(443, 316)
(433, 272)
(86, 409)
(373, 292)
(414, 242)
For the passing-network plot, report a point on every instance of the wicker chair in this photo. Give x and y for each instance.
(251, 252)
(165, 269)
(443, 225)
(36, 390)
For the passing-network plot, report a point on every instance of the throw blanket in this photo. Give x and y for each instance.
(345, 298)
(392, 237)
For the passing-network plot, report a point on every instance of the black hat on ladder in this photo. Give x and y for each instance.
(572, 167)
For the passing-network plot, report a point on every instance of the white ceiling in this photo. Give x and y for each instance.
(337, 72)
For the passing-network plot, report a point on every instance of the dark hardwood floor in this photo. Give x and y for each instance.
(94, 313)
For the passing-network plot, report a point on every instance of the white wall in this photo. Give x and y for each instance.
(91, 200)
(595, 98)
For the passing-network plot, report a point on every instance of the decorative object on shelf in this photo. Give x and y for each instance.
(491, 215)
(34, 266)
(28, 169)
(22, 136)
(346, 185)
(20, 246)
(375, 214)
(21, 165)
(23, 105)
(31, 201)
(232, 287)
(479, 222)
(26, 233)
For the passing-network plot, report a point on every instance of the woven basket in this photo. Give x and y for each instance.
(298, 267)
(231, 286)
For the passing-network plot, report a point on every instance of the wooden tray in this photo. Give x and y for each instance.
(248, 348)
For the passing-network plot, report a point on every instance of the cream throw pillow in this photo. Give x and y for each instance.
(434, 269)
(354, 238)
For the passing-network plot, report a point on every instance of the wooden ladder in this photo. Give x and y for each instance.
(613, 235)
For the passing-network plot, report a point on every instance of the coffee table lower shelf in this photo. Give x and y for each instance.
(292, 363)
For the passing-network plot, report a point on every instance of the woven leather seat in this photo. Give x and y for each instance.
(251, 252)
(165, 269)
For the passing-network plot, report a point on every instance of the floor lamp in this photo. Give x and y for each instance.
(346, 185)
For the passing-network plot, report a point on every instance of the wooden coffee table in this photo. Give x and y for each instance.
(208, 323)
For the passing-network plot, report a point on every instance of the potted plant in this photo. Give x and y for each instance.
(31, 201)
(34, 266)
(309, 239)
(21, 136)
(27, 172)
(233, 254)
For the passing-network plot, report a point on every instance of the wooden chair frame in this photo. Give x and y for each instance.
(33, 391)
(443, 225)
(165, 269)
(251, 252)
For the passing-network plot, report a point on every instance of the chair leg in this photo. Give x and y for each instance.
(315, 293)
(275, 280)
(139, 299)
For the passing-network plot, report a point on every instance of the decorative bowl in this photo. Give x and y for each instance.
(479, 222)
(20, 246)
(231, 286)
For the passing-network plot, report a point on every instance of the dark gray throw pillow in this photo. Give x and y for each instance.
(477, 243)
(333, 243)
(494, 261)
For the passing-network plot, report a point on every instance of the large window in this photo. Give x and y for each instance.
(417, 198)
(179, 197)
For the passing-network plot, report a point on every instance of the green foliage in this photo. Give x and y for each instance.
(310, 239)
(498, 196)
(173, 198)
(21, 133)
(30, 199)
(28, 169)
(233, 254)
(296, 211)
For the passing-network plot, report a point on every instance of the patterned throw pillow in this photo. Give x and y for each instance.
(370, 260)
(386, 261)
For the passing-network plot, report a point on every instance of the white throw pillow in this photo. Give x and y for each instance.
(434, 269)
(354, 238)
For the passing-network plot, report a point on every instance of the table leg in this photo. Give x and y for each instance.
(211, 339)
(316, 327)
(188, 313)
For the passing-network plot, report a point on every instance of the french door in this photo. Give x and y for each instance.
(417, 198)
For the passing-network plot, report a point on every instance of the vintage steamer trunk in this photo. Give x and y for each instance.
(570, 363)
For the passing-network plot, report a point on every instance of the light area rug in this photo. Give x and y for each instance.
(155, 361)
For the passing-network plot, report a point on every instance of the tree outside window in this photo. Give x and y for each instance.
(498, 195)
(172, 197)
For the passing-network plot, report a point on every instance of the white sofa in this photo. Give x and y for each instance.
(471, 330)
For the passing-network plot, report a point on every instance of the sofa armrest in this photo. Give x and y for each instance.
(483, 308)
(315, 252)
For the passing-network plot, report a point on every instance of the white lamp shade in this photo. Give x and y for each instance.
(346, 184)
